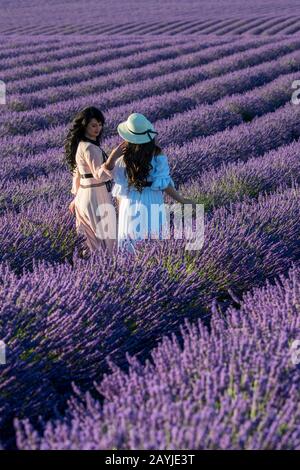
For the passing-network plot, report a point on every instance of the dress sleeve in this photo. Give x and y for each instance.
(75, 182)
(94, 159)
(161, 174)
(120, 187)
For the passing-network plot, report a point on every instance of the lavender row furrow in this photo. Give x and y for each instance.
(241, 142)
(93, 57)
(215, 188)
(42, 55)
(88, 71)
(90, 80)
(234, 387)
(206, 119)
(238, 80)
(237, 181)
(242, 247)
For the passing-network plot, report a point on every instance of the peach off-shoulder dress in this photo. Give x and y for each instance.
(90, 195)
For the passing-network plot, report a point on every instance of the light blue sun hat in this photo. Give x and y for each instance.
(137, 129)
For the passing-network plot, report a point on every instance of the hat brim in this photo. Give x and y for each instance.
(134, 139)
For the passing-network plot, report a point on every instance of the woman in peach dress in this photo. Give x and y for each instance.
(91, 184)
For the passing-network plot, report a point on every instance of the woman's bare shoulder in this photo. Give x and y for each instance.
(159, 155)
(159, 158)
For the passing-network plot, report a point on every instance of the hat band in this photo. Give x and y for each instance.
(142, 133)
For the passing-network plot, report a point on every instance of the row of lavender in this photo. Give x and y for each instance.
(113, 93)
(109, 74)
(177, 102)
(57, 333)
(258, 135)
(22, 17)
(266, 99)
(52, 331)
(214, 188)
(237, 142)
(231, 111)
(235, 26)
(235, 387)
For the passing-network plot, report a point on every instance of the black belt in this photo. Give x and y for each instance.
(108, 184)
(92, 185)
(87, 175)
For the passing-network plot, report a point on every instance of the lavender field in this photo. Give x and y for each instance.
(168, 349)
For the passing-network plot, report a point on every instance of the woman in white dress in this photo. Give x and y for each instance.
(140, 176)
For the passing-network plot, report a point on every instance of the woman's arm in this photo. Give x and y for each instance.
(114, 155)
(75, 186)
(75, 181)
(72, 207)
(177, 196)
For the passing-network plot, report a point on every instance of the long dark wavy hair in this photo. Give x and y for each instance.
(76, 133)
(137, 159)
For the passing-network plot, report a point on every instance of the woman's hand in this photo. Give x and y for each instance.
(72, 207)
(118, 151)
(171, 191)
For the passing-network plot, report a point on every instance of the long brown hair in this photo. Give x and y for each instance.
(76, 133)
(137, 159)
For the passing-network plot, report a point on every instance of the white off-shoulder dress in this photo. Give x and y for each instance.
(136, 221)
